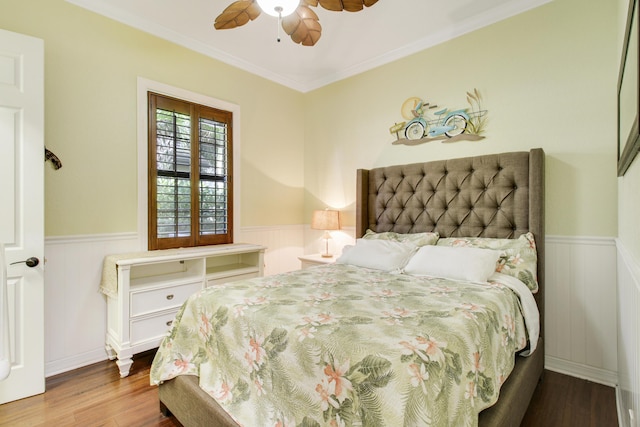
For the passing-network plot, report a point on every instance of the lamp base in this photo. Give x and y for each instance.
(327, 255)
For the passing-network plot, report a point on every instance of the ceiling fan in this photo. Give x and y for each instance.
(297, 18)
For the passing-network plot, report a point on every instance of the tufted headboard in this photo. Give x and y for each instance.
(496, 195)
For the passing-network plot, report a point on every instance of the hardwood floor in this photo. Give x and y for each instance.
(92, 396)
(96, 396)
(565, 401)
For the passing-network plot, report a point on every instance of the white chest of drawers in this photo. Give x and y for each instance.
(153, 285)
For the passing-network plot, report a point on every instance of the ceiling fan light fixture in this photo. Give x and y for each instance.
(278, 8)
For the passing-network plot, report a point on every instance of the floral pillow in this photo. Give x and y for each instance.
(417, 239)
(519, 257)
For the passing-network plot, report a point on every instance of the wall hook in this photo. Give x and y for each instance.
(55, 161)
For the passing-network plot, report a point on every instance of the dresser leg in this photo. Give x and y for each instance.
(124, 365)
(111, 354)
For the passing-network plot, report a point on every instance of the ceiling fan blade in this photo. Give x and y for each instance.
(303, 26)
(348, 5)
(237, 14)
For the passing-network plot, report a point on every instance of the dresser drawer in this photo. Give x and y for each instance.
(213, 282)
(150, 328)
(152, 300)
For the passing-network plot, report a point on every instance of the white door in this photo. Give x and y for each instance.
(22, 211)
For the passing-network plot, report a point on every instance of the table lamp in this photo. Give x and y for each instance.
(326, 220)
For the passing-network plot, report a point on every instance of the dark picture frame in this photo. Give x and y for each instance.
(629, 93)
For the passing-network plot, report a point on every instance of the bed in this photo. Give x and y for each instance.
(484, 202)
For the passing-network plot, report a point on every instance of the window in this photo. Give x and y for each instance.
(190, 172)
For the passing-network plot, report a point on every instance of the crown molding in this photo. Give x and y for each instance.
(456, 29)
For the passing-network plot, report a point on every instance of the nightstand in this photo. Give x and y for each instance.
(315, 259)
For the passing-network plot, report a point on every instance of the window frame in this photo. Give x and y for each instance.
(145, 86)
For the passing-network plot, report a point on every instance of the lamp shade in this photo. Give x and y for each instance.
(326, 219)
(278, 7)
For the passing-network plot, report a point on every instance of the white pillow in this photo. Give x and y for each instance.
(386, 255)
(470, 264)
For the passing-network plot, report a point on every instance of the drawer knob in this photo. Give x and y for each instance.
(169, 322)
(170, 297)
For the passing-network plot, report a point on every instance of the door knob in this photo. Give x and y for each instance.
(31, 262)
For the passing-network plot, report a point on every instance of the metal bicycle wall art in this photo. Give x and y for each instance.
(426, 122)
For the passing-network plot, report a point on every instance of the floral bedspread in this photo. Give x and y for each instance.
(338, 345)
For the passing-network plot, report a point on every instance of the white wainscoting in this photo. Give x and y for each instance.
(628, 391)
(581, 292)
(76, 313)
(580, 301)
(284, 245)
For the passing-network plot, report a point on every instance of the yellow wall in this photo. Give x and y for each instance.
(548, 78)
(91, 67)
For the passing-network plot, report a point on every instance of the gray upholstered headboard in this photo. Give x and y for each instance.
(496, 195)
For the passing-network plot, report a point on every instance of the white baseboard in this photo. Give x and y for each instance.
(74, 362)
(578, 370)
(619, 408)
